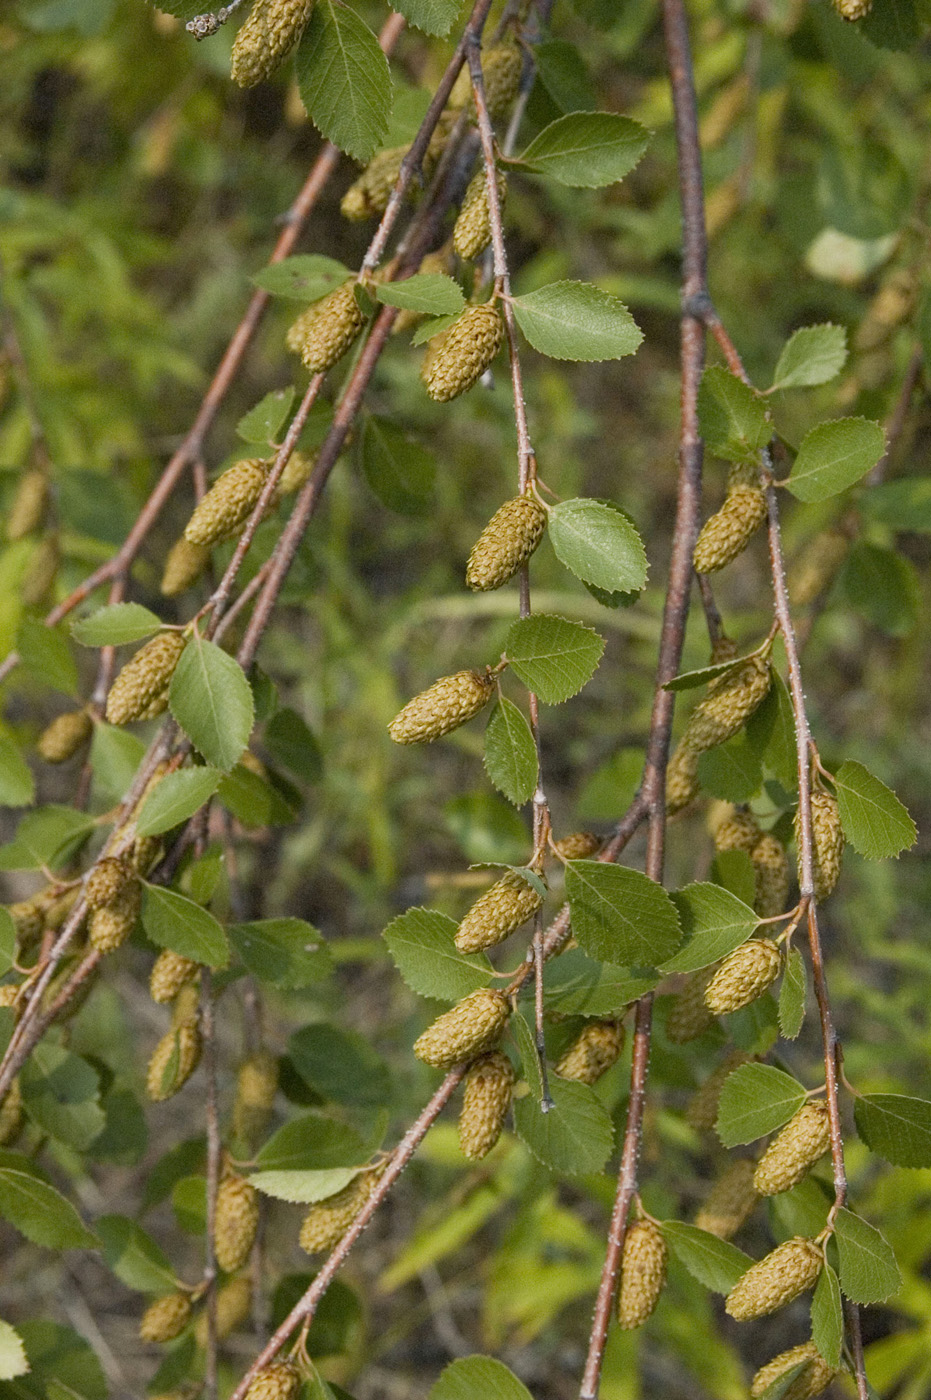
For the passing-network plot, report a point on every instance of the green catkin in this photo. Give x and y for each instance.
(228, 504)
(472, 229)
(499, 912)
(731, 1201)
(578, 845)
(234, 1306)
(11, 1114)
(702, 1110)
(810, 1382)
(688, 1017)
(326, 330)
(729, 703)
(174, 1060)
(327, 1221)
(183, 567)
(643, 1273)
(488, 1091)
(170, 972)
(791, 1154)
(279, 1382)
(450, 702)
(789, 1270)
(852, 10)
(370, 193)
(268, 35)
(727, 533)
(458, 357)
(166, 1318)
(256, 1087)
(597, 1047)
(28, 508)
(506, 543)
(236, 1222)
(61, 739)
(827, 841)
(743, 976)
(144, 678)
(472, 1026)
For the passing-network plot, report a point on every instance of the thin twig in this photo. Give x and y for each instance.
(214, 1152)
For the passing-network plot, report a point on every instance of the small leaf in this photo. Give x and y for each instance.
(882, 586)
(731, 771)
(529, 1059)
(874, 820)
(37, 1210)
(263, 423)
(714, 921)
(305, 278)
(12, 1353)
(478, 1378)
(868, 1271)
(553, 656)
(421, 945)
(344, 80)
(833, 456)
(587, 149)
(400, 472)
(432, 16)
(564, 73)
(46, 836)
(61, 1094)
(212, 701)
(134, 1256)
(288, 952)
(691, 680)
(291, 743)
(510, 753)
(575, 1137)
(303, 1187)
(620, 915)
(813, 355)
(47, 656)
(792, 995)
(716, 1263)
(341, 1066)
(315, 1142)
(115, 625)
(256, 800)
(577, 985)
(435, 326)
(17, 785)
(734, 421)
(897, 1127)
(755, 1100)
(827, 1317)
(576, 321)
(770, 731)
(904, 505)
(175, 922)
(176, 797)
(598, 544)
(115, 757)
(430, 293)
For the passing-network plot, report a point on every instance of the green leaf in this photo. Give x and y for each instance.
(315, 1142)
(792, 995)
(189, 1203)
(176, 797)
(344, 80)
(894, 25)
(292, 744)
(577, 985)
(553, 656)
(576, 321)
(731, 771)
(868, 1271)
(37, 1210)
(431, 293)
(341, 1065)
(303, 1187)
(115, 756)
(770, 731)
(12, 1353)
(263, 423)
(692, 680)
(714, 922)
(46, 654)
(755, 1100)
(255, 800)
(17, 785)
(7, 941)
(61, 1094)
(422, 948)
(529, 1059)
(564, 73)
(134, 1256)
(587, 149)
(510, 753)
(478, 1378)
(827, 1316)
(734, 421)
(63, 1365)
(212, 701)
(716, 1263)
(115, 625)
(432, 16)
(173, 921)
(288, 952)
(882, 586)
(874, 820)
(400, 472)
(46, 836)
(803, 1210)
(904, 505)
(733, 871)
(306, 277)
(896, 1127)
(428, 329)
(620, 915)
(598, 544)
(833, 456)
(813, 355)
(575, 1137)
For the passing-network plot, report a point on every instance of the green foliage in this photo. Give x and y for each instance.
(510, 753)
(344, 80)
(813, 355)
(173, 921)
(715, 1263)
(833, 456)
(573, 1136)
(598, 544)
(587, 149)
(211, 700)
(755, 1100)
(115, 625)
(552, 656)
(734, 421)
(714, 923)
(421, 945)
(576, 321)
(619, 915)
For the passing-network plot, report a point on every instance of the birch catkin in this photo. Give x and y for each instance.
(643, 1273)
(790, 1269)
(498, 913)
(473, 1025)
(450, 702)
(270, 32)
(489, 1086)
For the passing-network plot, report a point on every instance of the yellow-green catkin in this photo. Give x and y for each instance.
(145, 852)
(42, 572)
(459, 356)
(170, 972)
(507, 542)
(61, 739)
(809, 1383)
(791, 1154)
(236, 1222)
(368, 196)
(28, 508)
(735, 831)
(256, 1087)
(327, 1221)
(852, 10)
(681, 778)
(791, 1269)
(499, 912)
(183, 567)
(326, 330)
(110, 926)
(488, 1090)
(107, 881)
(730, 1202)
(228, 504)
(771, 876)
(472, 229)
(296, 471)
(688, 1017)
(502, 65)
(28, 917)
(174, 1060)
(11, 1114)
(8, 993)
(166, 1318)
(828, 842)
(817, 566)
(728, 532)
(270, 32)
(578, 845)
(597, 1047)
(729, 703)
(643, 1273)
(450, 702)
(234, 1307)
(743, 976)
(471, 1026)
(144, 678)
(702, 1110)
(279, 1382)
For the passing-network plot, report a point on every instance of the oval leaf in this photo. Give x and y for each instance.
(17, 785)
(620, 915)
(716, 1263)
(792, 995)
(116, 624)
(868, 1271)
(212, 701)
(431, 293)
(37, 1210)
(288, 952)
(874, 820)
(478, 1378)
(400, 472)
(173, 921)
(510, 753)
(755, 1100)
(833, 456)
(134, 1256)
(175, 798)
(262, 423)
(306, 277)
(598, 544)
(734, 421)
(574, 1137)
(813, 355)
(12, 1353)
(576, 321)
(421, 945)
(897, 1127)
(553, 656)
(344, 80)
(587, 149)
(827, 1316)
(714, 922)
